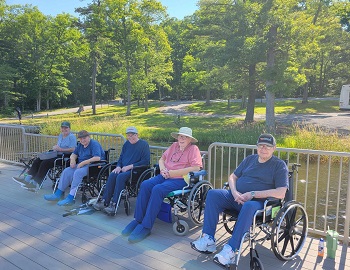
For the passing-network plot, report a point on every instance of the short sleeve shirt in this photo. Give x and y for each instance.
(253, 175)
(176, 159)
(68, 142)
(93, 149)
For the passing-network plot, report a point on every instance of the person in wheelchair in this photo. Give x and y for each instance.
(258, 177)
(87, 151)
(178, 160)
(135, 152)
(66, 144)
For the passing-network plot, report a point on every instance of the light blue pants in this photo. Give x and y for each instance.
(115, 184)
(151, 195)
(220, 199)
(72, 177)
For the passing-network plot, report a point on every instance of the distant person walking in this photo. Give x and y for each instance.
(19, 114)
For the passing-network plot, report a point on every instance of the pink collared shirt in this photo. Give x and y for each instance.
(175, 159)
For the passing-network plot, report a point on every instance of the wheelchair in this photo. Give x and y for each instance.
(283, 222)
(190, 199)
(89, 186)
(138, 175)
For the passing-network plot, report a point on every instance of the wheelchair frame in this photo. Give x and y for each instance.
(284, 223)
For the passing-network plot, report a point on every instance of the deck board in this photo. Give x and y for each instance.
(35, 235)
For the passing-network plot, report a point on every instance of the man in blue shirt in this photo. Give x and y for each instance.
(257, 177)
(86, 152)
(135, 152)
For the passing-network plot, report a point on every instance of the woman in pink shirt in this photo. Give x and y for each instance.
(178, 160)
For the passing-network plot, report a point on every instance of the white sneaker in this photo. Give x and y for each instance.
(226, 256)
(204, 244)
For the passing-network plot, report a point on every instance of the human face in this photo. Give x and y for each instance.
(132, 137)
(183, 141)
(265, 152)
(85, 141)
(65, 131)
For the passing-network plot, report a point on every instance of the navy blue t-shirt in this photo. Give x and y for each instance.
(255, 176)
(94, 149)
(137, 154)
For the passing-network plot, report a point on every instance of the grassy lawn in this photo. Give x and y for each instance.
(156, 127)
(281, 107)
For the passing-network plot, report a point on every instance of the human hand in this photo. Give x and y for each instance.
(126, 168)
(117, 170)
(165, 173)
(72, 164)
(56, 147)
(238, 197)
(247, 196)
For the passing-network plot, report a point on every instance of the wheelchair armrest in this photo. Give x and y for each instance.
(195, 177)
(139, 168)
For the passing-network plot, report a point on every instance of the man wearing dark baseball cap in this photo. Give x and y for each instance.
(258, 177)
(87, 151)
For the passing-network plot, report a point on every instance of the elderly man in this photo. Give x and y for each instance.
(258, 177)
(135, 152)
(86, 152)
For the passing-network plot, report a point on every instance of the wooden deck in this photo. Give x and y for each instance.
(35, 235)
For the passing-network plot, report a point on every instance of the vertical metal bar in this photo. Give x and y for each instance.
(316, 190)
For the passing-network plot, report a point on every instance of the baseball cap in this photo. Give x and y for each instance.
(131, 130)
(267, 139)
(65, 124)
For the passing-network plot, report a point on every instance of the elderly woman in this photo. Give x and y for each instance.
(178, 160)
(66, 144)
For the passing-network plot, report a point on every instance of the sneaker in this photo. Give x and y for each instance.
(110, 210)
(205, 244)
(225, 257)
(31, 185)
(19, 180)
(100, 205)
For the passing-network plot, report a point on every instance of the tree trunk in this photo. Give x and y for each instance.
(128, 110)
(305, 94)
(249, 117)
(207, 99)
(38, 102)
(94, 75)
(270, 64)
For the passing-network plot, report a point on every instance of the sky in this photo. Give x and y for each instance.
(176, 8)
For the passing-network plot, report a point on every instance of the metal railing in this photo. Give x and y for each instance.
(322, 183)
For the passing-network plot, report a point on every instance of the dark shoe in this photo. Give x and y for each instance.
(30, 185)
(19, 180)
(129, 228)
(138, 234)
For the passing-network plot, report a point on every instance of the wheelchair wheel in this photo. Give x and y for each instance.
(144, 176)
(256, 264)
(180, 227)
(229, 223)
(103, 176)
(127, 207)
(289, 231)
(196, 202)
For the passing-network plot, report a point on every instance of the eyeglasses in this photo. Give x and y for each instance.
(174, 156)
(261, 146)
(130, 134)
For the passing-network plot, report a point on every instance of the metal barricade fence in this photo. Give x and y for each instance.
(321, 185)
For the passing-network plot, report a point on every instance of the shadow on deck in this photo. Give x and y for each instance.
(35, 235)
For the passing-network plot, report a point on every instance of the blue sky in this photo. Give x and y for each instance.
(176, 8)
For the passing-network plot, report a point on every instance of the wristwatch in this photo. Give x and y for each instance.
(253, 194)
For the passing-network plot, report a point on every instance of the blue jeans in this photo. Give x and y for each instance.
(220, 199)
(115, 184)
(151, 195)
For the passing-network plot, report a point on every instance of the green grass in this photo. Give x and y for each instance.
(156, 127)
(281, 107)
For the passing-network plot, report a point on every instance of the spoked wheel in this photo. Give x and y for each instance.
(127, 206)
(103, 176)
(144, 176)
(229, 220)
(180, 227)
(256, 264)
(196, 202)
(289, 231)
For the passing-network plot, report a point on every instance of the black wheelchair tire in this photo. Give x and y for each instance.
(256, 264)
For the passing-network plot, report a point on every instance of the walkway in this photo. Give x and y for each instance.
(34, 235)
